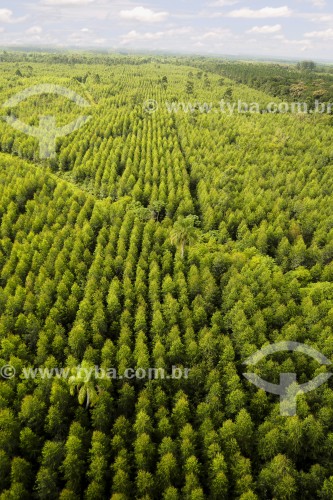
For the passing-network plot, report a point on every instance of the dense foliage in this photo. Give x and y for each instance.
(161, 240)
(302, 82)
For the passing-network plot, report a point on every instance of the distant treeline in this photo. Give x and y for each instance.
(302, 82)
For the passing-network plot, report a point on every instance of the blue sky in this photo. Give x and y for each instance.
(267, 28)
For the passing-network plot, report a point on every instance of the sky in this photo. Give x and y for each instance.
(291, 29)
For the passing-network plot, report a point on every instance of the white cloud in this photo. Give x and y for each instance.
(6, 16)
(302, 44)
(158, 35)
(186, 37)
(225, 3)
(67, 3)
(84, 37)
(100, 41)
(324, 35)
(141, 14)
(264, 30)
(216, 34)
(319, 18)
(318, 3)
(34, 30)
(134, 35)
(266, 12)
